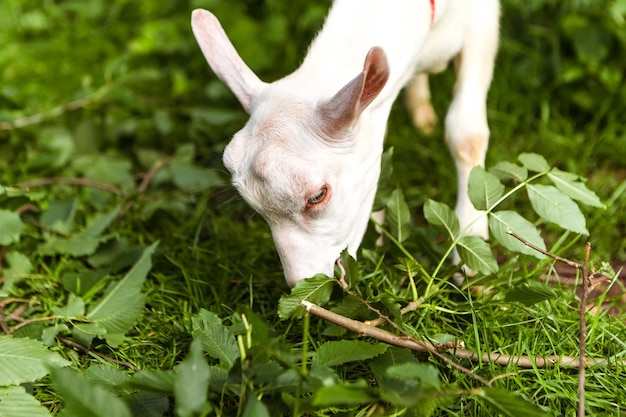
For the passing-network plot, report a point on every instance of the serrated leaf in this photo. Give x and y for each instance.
(502, 222)
(154, 381)
(16, 402)
(317, 290)
(477, 255)
(19, 264)
(484, 189)
(215, 338)
(191, 382)
(81, 398)
(123, 303)
(530, 293)
(75, 307)
(534, 162)
(146, 404)
(556, 207)
(571, 185)
(509, 404)
(338, 352)
(106, 375)
(442, 218)
(10, 227)
(398, 216)
(507, 170)
(25, 360)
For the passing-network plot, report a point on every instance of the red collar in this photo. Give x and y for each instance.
(432, 11)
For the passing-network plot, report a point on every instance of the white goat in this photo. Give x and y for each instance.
(308, 159)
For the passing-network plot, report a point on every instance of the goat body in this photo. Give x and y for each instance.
(308, 159)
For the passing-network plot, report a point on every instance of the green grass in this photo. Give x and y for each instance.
(153, 99)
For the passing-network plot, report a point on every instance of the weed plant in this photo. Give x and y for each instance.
(135, 282)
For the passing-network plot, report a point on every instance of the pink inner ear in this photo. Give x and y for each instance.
(376, 71)
(342, 111)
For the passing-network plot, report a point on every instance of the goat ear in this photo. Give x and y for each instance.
(224, 59)
(342, 111)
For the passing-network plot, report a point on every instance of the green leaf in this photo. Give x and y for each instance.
(351, 268)
(60, 215)
(16, 402)
(507, 170)
(345, 394)
(556, 207)
(442, 218)
(426, 374)
(571, 185)
(191, 382)
(154, 380)
(534, 162)
(484, 189)
(122, 305)
(530, 293)
(509, 404)
(19, 264)
(476, 254)
(75, 308)
(25, 360)
(82, 398)
(398, 216)
(255, 407)
(215, 338)
(502, 222)
(188, 176)
(338, 352)
(316, 290)
(10, 227)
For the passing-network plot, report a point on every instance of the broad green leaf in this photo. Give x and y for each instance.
(571, 185)
(10, 227)
(507, 170)
(82, 398)
(147, 404)
(16, 402)
(191, 382)
(154, 380)
(385, 187)
(484, 189)
(351, 268)
(398, 216)
(255, 407)
(25, 360)
(556, 207)
(84, 333)
(19, 264)
(316, 290)
(338, 352)
(106, 375)
(477, 255)
(60, 215)
(397, 391)
(534, 162)
(530, 293)
(442, 218)
(426, 374)
(75, 307)
(123, 303)
(344, 394)
(215, 338)
(99, 223)
(502, 222)
(509, 404)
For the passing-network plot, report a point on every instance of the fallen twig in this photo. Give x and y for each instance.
(459, 353)
(88, 351)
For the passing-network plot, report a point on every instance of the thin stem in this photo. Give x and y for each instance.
(583, 330)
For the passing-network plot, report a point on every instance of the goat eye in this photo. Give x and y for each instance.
(318, 197)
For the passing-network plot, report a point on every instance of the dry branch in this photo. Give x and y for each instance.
(411, 343)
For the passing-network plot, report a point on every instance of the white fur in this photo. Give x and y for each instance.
(323, 126)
